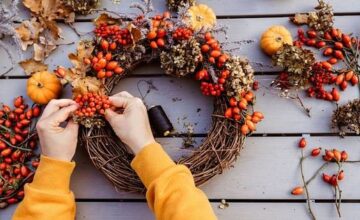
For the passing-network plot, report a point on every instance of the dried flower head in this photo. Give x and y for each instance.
(241, 76)
(323, 18)
(347, 117)
(81, 6)
(182, 58)
(176, 5)
(297, 62)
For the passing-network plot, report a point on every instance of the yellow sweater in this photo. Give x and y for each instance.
(171, 192)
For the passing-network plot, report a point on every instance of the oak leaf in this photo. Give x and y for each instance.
(87, 84)
(106, 19)
(31, 66)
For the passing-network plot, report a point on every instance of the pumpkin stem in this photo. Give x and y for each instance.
(40, 85)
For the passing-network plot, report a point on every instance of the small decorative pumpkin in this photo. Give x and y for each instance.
(43, 87)
(274, 38)
(201, 17)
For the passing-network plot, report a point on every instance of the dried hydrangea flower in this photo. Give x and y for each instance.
(176, 5)
(323, 18)
(182, 58)
(297, 62)
(347, 117)
(81, 6)
(241, 76)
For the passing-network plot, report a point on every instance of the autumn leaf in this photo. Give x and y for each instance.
(300, 19)
(135, 33)
(87, 84)
(28, 32)
(33, 5)
(84, 50)
(32, 66)
(106, 19)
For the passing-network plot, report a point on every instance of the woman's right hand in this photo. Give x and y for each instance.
(132, 126)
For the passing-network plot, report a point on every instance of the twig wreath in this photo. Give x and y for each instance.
(185, 46)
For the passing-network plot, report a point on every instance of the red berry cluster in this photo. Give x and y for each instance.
(114, 33)
(319, 78)
(212, 50)
(157, 38)
(183, 33)
(333, 43)
(157, 33)
(213, 89)
(92, 105)
(238, 109)
(104, 65)
(333, 155)
(17, 146)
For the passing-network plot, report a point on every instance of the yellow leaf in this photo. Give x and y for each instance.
(106, 19)
(87, 84)
(31, 66)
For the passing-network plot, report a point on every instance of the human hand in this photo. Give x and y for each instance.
(58, 142)
(132, 126)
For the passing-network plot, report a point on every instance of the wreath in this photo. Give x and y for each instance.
(185, 47)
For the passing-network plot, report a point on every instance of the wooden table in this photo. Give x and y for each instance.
(258, 187)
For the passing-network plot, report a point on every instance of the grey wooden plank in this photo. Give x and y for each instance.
(254, 28)
(244, 7)
(266, 169)
(235, 211)
(184, 103)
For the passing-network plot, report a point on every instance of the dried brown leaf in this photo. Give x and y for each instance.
(28, 32)
(300, 19)
(87, 84)
(33, 5)
(84, 50)
(106, 19)
(32, 66)
(135, 33)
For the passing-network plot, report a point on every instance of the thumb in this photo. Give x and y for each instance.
(72, 126)
(110, 115)
(62, 114)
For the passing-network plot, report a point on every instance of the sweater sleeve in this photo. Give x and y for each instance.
(48, 196)
(171, 191)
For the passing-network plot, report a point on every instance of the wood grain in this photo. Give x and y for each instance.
(235, 211)
(254, 28)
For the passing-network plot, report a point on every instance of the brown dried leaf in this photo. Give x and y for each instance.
(28, 32)
(32, 66)
(33, 5)
(87, 84)
(107, 19)
(300, 19)
(135, 33)
(41, 51)
(52, 26)
(84, 50)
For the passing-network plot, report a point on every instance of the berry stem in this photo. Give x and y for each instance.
(317, 173)
(305, 185)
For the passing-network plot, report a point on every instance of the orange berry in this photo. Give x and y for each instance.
(244, 130)
(151, 35)
(215, 53)
(111, 65)
(153, 45)
(205, 48)
(160, 42)
(297, 191)
(118, 70)
(302, 143)
(101, 74)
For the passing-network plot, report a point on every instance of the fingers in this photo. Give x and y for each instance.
(120, 101)
(110, 114)
(62, 114)
(72, 127)
(55, 104)
(123, 94)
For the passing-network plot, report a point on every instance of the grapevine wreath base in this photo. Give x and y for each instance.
(216, 153)
(185, 46)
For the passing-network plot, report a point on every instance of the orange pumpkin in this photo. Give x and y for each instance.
(274, 38)
(43, 87)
